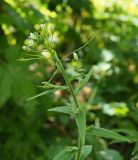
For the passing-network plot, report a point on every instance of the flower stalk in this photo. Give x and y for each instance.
(66, 78)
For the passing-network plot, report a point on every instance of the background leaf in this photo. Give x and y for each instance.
(111, 154)
(105, 133)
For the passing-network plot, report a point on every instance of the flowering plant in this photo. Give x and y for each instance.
(41, 42)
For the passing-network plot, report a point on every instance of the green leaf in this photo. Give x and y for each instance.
(66, 154)
(80, 118)
(131, 134)
(47, 91)
(84, 81)
(86, 150)
(118, 141)
(111, 154)
(105, 133)
(63, 109)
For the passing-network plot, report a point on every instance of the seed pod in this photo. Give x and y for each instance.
(75, 56)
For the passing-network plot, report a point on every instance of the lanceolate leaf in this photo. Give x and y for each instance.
(105, 133)
(131, 134)
(86, 150)
(84, 81)
(110, 154)
(41, 94)
(80, 117)
(47, 91)
(66, 154)
(63, 109)
(118, 141)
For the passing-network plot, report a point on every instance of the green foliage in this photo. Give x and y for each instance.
(66, 154)
(86, 150)
(105, 133)
(108, 154)
(63, 109)
(51, 90)
(41, 41)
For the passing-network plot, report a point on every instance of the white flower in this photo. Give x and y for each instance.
(30, 42)
(32, 36)
(42, 26)
(46, 54)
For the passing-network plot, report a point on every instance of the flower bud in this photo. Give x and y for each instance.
(40, 48)
(32, 36)
(26, 48)
(75, 56)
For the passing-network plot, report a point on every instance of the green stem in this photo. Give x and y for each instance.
(79, 150)
(61, 68)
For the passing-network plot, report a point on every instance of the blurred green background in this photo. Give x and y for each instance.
(27, 130)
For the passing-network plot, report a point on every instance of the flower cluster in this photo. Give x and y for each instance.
(38, 42)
